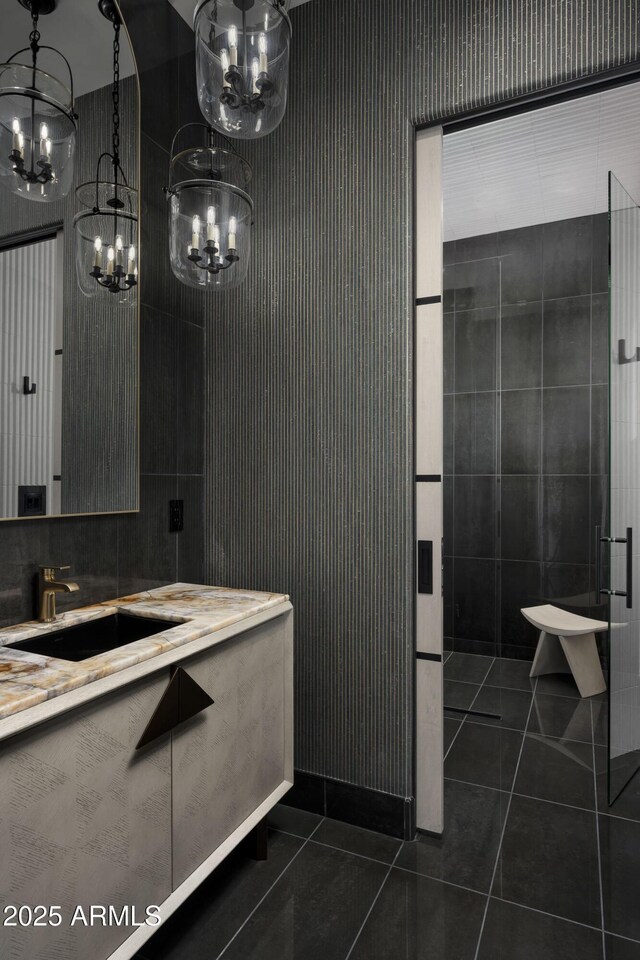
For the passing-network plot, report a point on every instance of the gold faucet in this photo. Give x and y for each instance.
(48, 586)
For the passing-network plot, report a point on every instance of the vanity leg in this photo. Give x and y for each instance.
(259, 841)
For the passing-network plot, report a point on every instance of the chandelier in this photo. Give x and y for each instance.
(210, 213)
(37, 120)
(242, 64)
(106, 230)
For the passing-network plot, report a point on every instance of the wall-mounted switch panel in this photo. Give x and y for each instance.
(176, 516)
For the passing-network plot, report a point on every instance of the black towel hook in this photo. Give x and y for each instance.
(27, 387)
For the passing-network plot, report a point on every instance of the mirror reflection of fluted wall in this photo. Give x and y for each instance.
(72, 445)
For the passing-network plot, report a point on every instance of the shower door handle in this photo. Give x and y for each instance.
(628, 540)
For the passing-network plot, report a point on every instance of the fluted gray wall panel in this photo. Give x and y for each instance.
(471, 53)
(309, 406)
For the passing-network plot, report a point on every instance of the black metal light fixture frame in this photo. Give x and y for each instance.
(244, 90)
(208, 258)
(119, 280)
(236, 95)
(40, 171)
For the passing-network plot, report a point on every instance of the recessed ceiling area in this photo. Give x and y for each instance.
(545, 165)
(79, 31)
(186, 7)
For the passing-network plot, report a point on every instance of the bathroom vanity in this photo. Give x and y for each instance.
(126, 777)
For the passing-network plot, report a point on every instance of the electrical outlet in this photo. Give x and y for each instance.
(176, 516)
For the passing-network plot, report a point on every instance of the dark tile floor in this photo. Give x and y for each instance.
(533, 863)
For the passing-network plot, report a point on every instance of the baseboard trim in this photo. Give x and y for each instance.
(360, 806)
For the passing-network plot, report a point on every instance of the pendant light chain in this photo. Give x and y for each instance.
(120, 273)
(34, 36)
(115, 95)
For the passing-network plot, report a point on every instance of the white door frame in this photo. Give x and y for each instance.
(428, 444)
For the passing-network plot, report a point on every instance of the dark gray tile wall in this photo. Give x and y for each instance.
(525, 428)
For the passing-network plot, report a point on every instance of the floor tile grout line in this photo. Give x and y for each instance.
(503, 831)
(448, 883)
(532, 733)
(597, 819)
(375, 900)
(545, 913)
(351, 853)
(267, 892)
(529, 796)
(515, 903)
(455, 737)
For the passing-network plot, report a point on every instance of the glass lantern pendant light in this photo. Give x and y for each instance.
(242, 64)
(37, 119)
(210, 213)
(106, 230)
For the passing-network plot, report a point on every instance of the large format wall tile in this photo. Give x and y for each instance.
(475, 350)
(520, 254)
(475, 424)
(521, 431)
(565, 519)
(474, 517)
(521, 346)
(565, 444)
(566, 335)
(551, 449)
(567, 258)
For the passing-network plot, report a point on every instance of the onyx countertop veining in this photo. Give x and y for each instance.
(27, 679)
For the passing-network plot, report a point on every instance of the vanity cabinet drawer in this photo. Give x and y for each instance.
(230, 757)
(85, 819)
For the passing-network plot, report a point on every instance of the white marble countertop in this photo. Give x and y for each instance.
(27, 679)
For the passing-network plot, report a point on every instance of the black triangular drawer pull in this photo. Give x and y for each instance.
(182, 699)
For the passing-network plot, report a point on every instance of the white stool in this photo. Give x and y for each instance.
(567, 644)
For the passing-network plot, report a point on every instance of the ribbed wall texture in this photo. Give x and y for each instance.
(309, 406)
(99, 363)
(27, 334)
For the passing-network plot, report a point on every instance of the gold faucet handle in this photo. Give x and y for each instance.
(48, 572)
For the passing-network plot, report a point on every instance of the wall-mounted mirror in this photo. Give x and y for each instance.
(68, 361)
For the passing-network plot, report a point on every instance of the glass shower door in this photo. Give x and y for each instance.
(624, 488)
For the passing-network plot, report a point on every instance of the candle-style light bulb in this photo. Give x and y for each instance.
(233, 228)
(16, 135)
(110, 258)
(44, 135)
(195, 233)
(131, 260)
(119, 247)
(97, 244)
(262, 47)
(48, 149)
(255, 73)
(224, 60)
(211, 219)
(232, 37)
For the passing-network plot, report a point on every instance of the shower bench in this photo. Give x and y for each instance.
(567, 644)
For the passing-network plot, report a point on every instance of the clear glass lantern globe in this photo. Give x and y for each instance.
(210, 234)
(37, 133)
(106, 242)
(210, 216)
(242, 64)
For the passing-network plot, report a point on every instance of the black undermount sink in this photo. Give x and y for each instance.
(88, 639)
